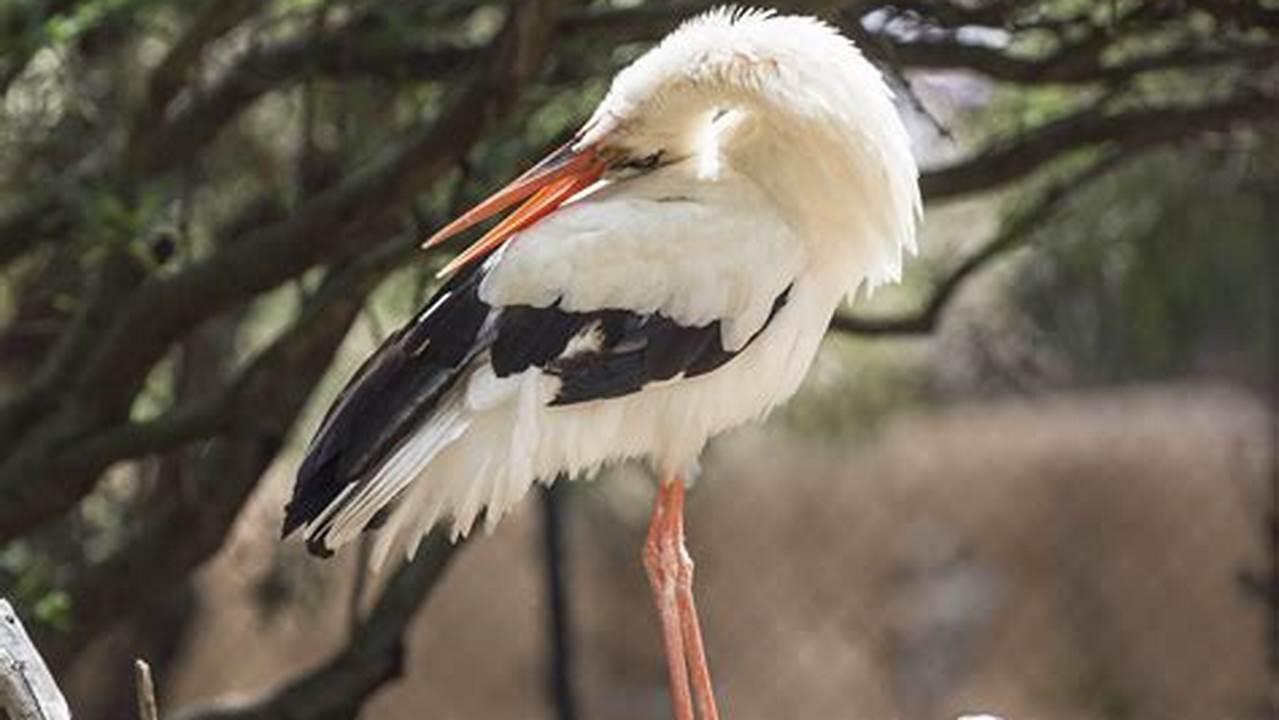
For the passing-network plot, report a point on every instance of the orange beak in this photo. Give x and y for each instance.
(546, 186)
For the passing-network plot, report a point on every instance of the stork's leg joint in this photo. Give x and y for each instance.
(683, 563)
(655, 566)
(654, 552)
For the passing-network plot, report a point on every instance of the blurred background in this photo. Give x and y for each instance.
(1037, 479)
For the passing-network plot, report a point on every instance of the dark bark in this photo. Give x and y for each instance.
(213, 19)
(1015, 232)
(18, 41)
(334, 225)
(560, 670)
(1016, 157)
(200, 504)
(373, 657)
(353, 49)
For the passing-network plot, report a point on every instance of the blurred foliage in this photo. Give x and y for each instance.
(1163, 270)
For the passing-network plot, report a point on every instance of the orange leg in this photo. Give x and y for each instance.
(670, 572)
(699, 671)
(661, 576)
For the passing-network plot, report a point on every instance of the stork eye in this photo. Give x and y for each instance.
(648, 162)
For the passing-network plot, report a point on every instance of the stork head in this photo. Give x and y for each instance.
(785, 100)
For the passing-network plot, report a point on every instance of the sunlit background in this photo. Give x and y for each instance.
(1035, 480)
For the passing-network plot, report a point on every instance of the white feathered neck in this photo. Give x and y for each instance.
(812, 122)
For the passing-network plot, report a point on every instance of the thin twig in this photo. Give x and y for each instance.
(891, 64)
(359, 583)
(1012, 234)
(372, 657)
(146, 690)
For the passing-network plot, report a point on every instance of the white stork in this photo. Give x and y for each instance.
(668, 276)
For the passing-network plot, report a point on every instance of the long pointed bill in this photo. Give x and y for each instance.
(544, 188)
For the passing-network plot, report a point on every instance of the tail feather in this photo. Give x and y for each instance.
(483, 473)
(359, 505)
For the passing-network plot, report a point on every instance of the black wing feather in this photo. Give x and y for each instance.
(640, 349)
(398, 387)
(389, 396)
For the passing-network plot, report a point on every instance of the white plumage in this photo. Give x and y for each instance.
(786, 166)
(669, 275)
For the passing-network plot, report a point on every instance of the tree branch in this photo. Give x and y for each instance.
(1246, 15)
(1003, 162)
(213, 19)
(628, 24)
(25, 227)
(144, 686)
(1012, 234)
(947, 14)
(252, 420)
(21, 23)
(334, 225)
(355, 48)
(250, 416)
(373, 656)
(27, 689)
(333, 307)
(1079, 64)
(359, 48)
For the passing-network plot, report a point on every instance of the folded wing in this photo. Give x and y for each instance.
(590, 338)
